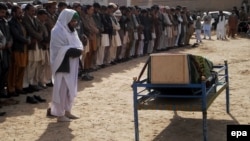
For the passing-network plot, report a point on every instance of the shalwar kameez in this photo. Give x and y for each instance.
(64, 65)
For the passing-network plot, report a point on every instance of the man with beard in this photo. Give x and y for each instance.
(30, 82)
(19, 52)
(65, 50)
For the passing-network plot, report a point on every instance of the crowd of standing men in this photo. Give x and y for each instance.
(110, 34)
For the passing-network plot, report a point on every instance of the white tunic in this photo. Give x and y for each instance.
(220, 30)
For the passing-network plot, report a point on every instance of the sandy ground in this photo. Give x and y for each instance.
(105, 105)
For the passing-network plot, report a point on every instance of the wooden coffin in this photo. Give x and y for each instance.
(166, 68)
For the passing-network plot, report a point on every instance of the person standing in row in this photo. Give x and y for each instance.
(35, 57)
(92, 29)
(198, 29)
(45, 76)
(5, 49)
(19, 52)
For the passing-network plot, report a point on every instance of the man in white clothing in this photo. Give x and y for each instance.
(220, 29)
(168, 27)
(65, 50)
(207, 25)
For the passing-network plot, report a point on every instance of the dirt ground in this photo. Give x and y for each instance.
(105, 105)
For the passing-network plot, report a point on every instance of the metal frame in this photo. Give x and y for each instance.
(222, 84)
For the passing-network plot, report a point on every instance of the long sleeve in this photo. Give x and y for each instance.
(72, 52)
(32, 28)
(16, 34)
(167, 19)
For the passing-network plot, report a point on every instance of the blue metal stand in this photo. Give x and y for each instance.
(207, 96)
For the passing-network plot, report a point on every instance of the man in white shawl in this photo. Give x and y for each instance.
(65, 50)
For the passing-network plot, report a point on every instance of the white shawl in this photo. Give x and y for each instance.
(61, 40)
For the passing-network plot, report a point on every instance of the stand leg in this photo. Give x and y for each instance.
(227, 99)
(204, 115)
(136, 123)
(227, 88)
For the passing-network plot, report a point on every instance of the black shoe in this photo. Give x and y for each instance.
(20, 91)
(90, 76)
(86, 78)
(13, 94)
(2, 95)
(103, 66)
(35, 88)
(39, 99)
(113, 63)
(50, 84)
(31, 100)
(2, 113)
(28, 90)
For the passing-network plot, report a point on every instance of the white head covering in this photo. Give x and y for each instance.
(62, 34)
(23, 6)
(65, 17)
(113, 4)
(167, 7)
(118, 13)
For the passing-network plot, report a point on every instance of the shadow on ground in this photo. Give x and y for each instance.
(188, 129)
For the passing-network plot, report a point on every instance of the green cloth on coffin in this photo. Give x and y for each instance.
(199, 66)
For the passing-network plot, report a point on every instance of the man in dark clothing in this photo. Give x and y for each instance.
(5, 49)
(146, 23)
(34, 51)
(60, 6)
(124, 31)
(237, 12)
(232, 24)
(98, 61)
(106, 34)
(19, 56)
(5, 46)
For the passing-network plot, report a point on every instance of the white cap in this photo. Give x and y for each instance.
(23, 6)
(118, 13)
(113, 4)
(9, 11)
(167, 7)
